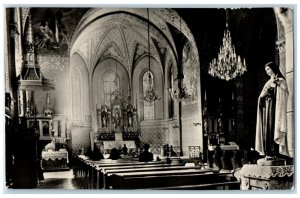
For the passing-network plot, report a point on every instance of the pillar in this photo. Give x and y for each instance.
(286, 52)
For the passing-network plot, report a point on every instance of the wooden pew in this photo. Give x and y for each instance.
(87, 176)
(135, 168)
(168, 178)
(225, 185)
(95, 170)
(102, 170)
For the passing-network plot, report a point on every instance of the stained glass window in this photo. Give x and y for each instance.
(110, 84)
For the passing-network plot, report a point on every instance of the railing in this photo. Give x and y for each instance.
(131, 135)
(106, 136)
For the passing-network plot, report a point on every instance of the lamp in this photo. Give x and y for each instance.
(227, 65)
(197, 123)
(182, 94)
(149, 94)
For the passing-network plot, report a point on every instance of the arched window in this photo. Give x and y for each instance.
(76, 96)
(110, 84)
(148, 83)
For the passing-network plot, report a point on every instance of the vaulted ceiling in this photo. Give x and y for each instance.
(98, 33)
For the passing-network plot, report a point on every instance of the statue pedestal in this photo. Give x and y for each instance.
(271, 162)
(254, 176)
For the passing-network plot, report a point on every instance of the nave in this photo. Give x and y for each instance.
(130, 174)
(81, 83)
(155, 175)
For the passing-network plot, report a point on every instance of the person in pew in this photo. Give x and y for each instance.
(125, 150)
(114, 154)
(217, 162)
(95, 154)
(146, 156)
(168, 160)
(173, 153)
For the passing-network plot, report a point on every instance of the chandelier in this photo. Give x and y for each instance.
(182, 93)
(228, 65)
(149, 94)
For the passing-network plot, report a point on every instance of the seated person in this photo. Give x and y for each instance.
(114, 154)
(124, 150)
(173, 153)
(146, 156)
(96, 154)
(218, 152)
(88, 151)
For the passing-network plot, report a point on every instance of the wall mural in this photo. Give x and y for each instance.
(191, 72)
(51, 32)
(53, 28)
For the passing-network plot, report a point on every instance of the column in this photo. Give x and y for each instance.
(28, 102)
(286, 53)
(22, 103)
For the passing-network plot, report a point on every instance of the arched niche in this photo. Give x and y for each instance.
(77, 64)
(108, 66)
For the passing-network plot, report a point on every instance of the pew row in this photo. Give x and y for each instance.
(226, 185)
(170, 178)
(106, 173)
(89, 174)
(126, 174)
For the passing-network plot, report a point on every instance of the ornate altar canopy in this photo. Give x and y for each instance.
(117, 123)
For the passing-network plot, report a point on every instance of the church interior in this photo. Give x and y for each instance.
(89, 91)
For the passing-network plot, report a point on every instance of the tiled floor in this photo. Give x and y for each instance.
(58, 180)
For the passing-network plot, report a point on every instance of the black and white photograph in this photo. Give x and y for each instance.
(164, 98)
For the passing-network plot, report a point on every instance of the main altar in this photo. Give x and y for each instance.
(118, 124)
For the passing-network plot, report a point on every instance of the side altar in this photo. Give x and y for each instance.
(117, 124)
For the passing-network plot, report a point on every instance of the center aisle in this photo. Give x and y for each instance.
(58, 180)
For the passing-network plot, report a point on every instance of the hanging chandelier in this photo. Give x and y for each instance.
(228, 65)
(182, 93)
(149, 94)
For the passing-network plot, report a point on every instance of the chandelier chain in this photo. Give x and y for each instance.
(149, 96)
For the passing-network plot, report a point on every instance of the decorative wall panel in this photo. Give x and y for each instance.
(155, 136)
(80, 138)
(55, 62)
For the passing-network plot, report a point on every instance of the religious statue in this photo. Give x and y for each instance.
(220, 124)
(130, 120)
(117, 116)
(271, 125)
(104, 119)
